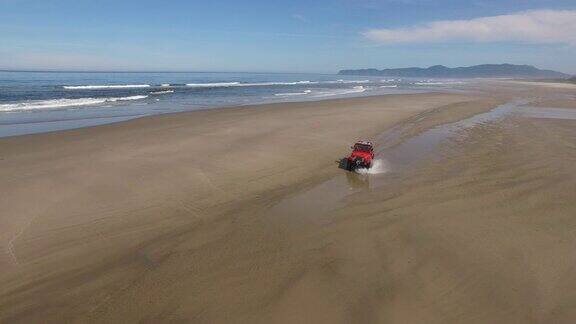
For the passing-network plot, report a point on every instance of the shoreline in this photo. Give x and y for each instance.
(83, 122)
(127, 118)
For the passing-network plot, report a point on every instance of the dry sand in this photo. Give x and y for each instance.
(175, 218)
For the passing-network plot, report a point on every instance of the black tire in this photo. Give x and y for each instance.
(344, 164)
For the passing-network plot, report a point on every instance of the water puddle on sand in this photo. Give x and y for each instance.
(389, 160)
(415, 148)
(548, 113)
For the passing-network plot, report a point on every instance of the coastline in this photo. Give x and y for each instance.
(35, 102)
(94, 121)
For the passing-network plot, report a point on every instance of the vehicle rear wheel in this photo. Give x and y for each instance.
(350, 165)
(344, 164)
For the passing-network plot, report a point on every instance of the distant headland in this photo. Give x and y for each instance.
(476, 71)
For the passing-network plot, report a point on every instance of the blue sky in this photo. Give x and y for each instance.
(284, 36)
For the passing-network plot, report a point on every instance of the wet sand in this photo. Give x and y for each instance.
(562, 85)
(215, 217)
(483, 232)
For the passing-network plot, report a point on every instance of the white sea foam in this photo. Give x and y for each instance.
(108, 86)
(341, 92)
(60, 103)
(213, 85)
(277, 83)
(288, 94)
(210, 84)
(378, 167)
(349, 81)
(238, 84)
(389, 86)
(161, 92)
(438, 83)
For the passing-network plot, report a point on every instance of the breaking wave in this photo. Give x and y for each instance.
(438, 83)
(60, 103)
(161, 92)
(238, 84)
(209, 84)
(277, 83)
(109, 86)
(349, 81)
(356, 89)
(287, 94)
(213, 85)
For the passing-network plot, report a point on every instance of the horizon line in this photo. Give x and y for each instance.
(151, 71)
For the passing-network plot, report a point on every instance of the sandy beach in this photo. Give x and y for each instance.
(241, 215)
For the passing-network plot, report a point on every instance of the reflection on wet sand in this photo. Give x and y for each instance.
(358, 181)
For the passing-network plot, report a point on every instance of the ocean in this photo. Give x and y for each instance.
(34, 102)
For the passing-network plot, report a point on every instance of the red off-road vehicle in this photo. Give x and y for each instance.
(361, 156)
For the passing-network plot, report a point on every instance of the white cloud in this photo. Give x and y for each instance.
(535, 26)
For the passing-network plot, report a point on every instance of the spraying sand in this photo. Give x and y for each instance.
(379, 166)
